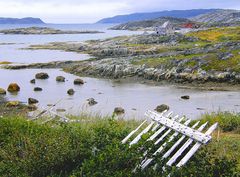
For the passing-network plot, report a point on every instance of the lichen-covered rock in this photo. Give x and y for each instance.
(70, 92)
(42, 76)
(32, 101)
(13, 87)
(162, 108)
(119, 110)
(185, 97)
(33, 81)
(37, 89)
(60, 79)
(78, 81)
(91, 101)
(2, 91)
(13, 103)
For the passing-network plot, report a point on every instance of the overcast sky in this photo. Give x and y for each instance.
(88, 11)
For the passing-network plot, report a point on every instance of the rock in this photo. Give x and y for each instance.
(13, 103)
(185, 97)
(32, 101)
(41, 76)
(13, 87)
(37, 89)
(162, 108)
(78, 81)
(2, 91)
(33, 81)
(60, 79)
(119, 110)
(91, 101)
(70, 92)
(32, 107)
(61, 110)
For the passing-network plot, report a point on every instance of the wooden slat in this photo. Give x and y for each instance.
(183, 129)
(135, 140)
(157, 125)
(185, 146)
(166, 155)
(148, 161)
(133, 132)
(195, 147)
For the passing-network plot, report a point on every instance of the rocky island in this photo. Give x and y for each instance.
(43, 30)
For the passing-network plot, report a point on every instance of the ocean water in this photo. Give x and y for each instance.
(135, 98)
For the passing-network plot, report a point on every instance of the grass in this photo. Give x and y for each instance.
(92, 148)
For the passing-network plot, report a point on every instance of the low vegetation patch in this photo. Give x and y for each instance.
(93, 148)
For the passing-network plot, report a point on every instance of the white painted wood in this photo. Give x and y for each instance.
(135, 140)
(183, 129)
(194, 149)
(133, 132)
(159, 131)
(185, 146)
(148, 161)
(157, 125)
(167, 154)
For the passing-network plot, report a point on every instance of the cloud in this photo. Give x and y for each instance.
(87, 11)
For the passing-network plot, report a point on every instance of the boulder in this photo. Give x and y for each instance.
(91, 101)
(33, 81)
(70, 92)
(32, 101)
(41, 76)
(162, 108)
(78, 81)
(13, 103)
(2, 91)
(60, 79)
(61, 110)
(32, 107)
(37, 89)
(119, 110)
(13, 87)
(185, 97)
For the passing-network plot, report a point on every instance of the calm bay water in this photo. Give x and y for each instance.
(134, 97)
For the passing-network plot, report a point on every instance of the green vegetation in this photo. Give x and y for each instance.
(92, 148)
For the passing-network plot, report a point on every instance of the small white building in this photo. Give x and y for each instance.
(166, 29)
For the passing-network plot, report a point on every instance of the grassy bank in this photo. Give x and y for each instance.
(93, 148)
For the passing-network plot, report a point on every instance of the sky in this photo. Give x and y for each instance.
(90, 11)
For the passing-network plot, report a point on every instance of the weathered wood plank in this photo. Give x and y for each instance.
(194, 149)
(183, 129)
(185, 146)
(133, 132)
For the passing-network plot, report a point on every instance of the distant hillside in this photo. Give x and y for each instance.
(27, 20)
(219, 16)
(150, 24)
(153, 15)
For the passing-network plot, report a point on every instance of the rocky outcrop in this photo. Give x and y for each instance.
(78, 81)
(185, 97)
(37, 89)
(42, 76)
(162, 108)
(70, 92)
(60, 79)
(33, 81)
(32, 101)
(91, 101)
(119, 110)
(2, 91)
(13, 87)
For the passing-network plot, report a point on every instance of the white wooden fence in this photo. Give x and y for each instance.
(165, 128)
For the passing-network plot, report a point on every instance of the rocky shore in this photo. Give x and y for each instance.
(197, 57)
(43, 30)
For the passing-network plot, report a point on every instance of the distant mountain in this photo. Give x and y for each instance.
(219, 16)
(28, 20)
(150, 24)
(153, 15)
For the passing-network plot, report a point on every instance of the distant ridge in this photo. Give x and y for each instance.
(27, 20)
(153, 15)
